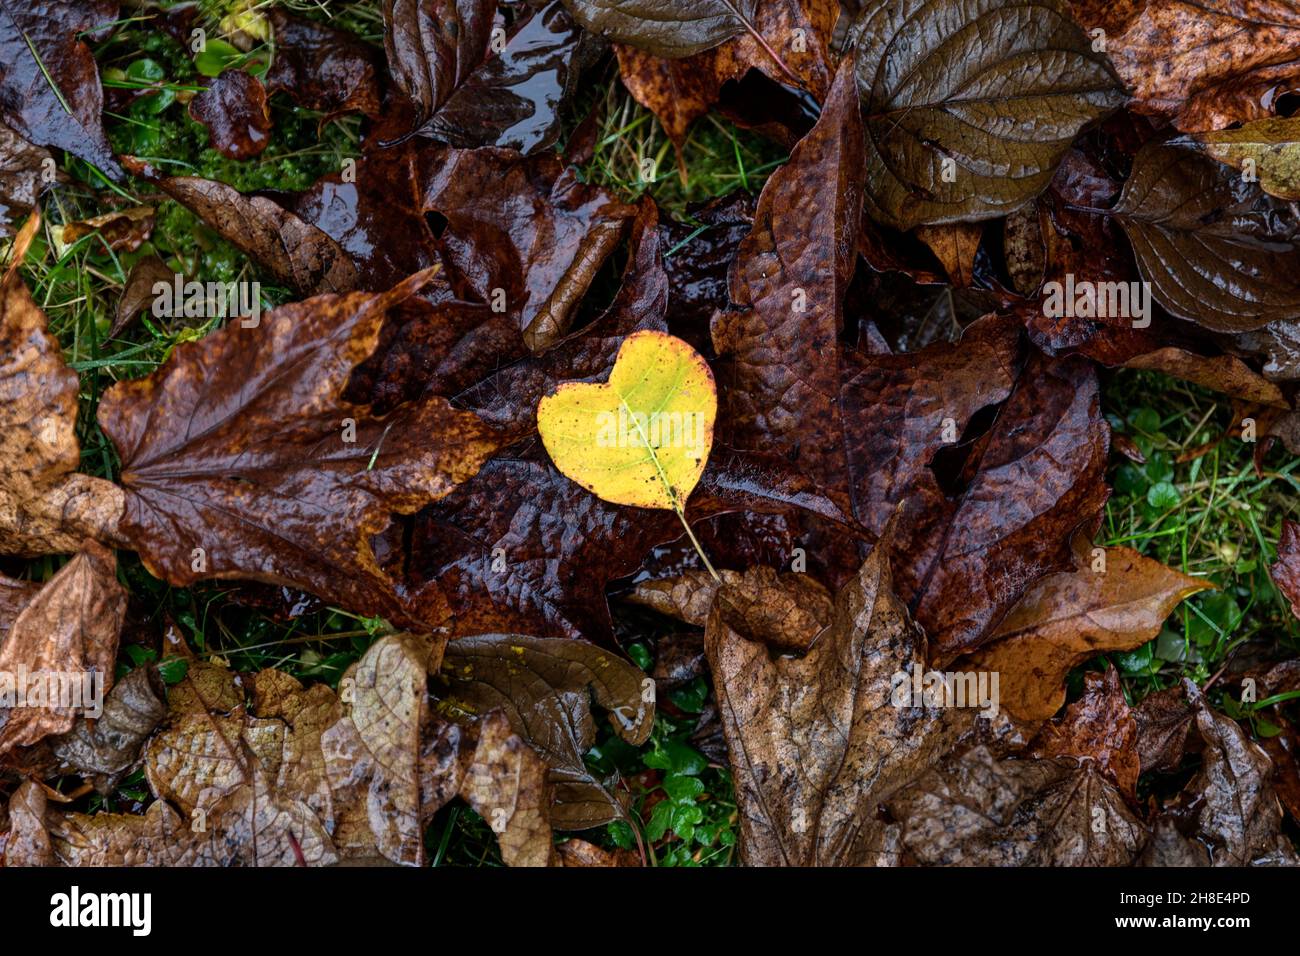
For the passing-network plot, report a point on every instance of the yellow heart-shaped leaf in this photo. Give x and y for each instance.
(643, 437)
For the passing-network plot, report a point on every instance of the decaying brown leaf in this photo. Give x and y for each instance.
(544, 688)
(1099, 728)
(105, 750)
(788, 292)
(1219, 61)
(235, 111)
(138, 294)
(309, 778)
(58, 651)
(1164, 719)
(322, 68)
(45, 506)
(125, 230)
(23, 169)
(506, 783)
(1232, 801)
(49, 87)
(680, 91)
(1068, 617)
(1286, 572)
(296, 253)
(976, 810)
(1216, 249)
(239, 458)
(816, 742)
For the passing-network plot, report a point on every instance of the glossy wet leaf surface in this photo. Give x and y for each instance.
(790, 433)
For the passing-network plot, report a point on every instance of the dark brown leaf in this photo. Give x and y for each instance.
(514, 98)
(970, 105)
(294, 252)
(49, 84)
(45, 506)
(780, 392)
(1216, 249)
(1232, 802)
(240, 459)
(976, 810)
(138, 294)
(668, 28)
(104, 751)
(1219, 61)
(236, 114)
(65, 640)
(816, 742)
(1286, 572)
(1163, 720)
(680, 91)
(22, 178)
(322, 68)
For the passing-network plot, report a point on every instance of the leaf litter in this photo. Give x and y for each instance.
(496, 410)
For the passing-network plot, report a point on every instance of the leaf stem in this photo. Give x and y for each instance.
(681, 516)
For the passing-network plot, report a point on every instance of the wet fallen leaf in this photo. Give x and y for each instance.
(975, 810)
(668, 28)
(1222, 373)
(970, 106)
(955, 246)
(1236, 812)
(533, 243)
(25, 172)
(235, 111)
(322, 68)
(1163, 720)
(434, 45)
(58, 651)
(49, 89)
(575, 852)
(1220, 61)
(240, 459)
(45, 505)
(371, 754)
(816, 741)
(1216, 250)
(138, 294)
(1286, 572)
(1069, 617)
(1100, 728)
(296, 253)
(680, 91)
(544, 688)
(788, 289)
(124, 231)
(104, 751)
(506, 784)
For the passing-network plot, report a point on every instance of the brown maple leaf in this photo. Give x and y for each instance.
(241, 460)
(816, 742)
